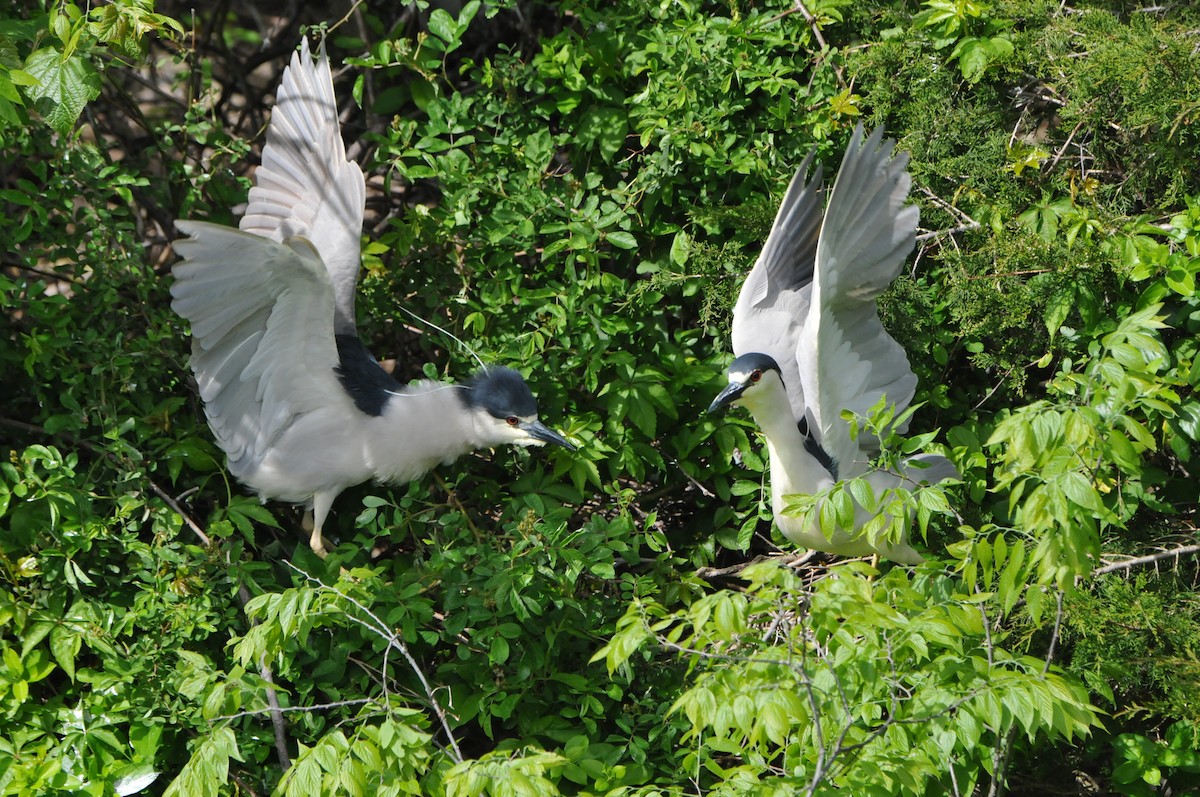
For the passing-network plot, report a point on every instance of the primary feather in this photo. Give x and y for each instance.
(305, 186)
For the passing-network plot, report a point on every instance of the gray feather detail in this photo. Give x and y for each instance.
(774, 299)
(790, 253)
(846, 358)
(306, 187)
(262, 334)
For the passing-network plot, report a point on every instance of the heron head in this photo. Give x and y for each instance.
(505, 411)
(747, 374)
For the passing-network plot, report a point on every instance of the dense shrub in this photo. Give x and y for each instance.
(577, 189)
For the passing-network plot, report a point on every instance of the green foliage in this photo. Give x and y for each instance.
(1075, 468)
(979, 41)
(1143, 765)
(47, 60)
(848, 684)
(1134, 642)
(581, 201)
(887, 516)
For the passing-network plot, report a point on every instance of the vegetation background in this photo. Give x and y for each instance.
(577, 189)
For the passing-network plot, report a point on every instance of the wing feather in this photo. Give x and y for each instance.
(262, 334)
(845, 357)
(306, 187)
(770, 310)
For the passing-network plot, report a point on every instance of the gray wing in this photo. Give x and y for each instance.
(305, 186)
(847, 360)
(769, 314)
(262, 334)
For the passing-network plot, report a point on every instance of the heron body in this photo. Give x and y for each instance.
(809, 343)
(293, 397)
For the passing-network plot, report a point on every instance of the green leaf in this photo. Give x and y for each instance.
(606, 127)
(64, 86)
(1080, 491)
(133, 779)
(621, 239)
(681, 246)
(1057, 308)
(64, 645)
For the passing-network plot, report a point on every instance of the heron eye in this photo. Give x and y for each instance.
(755, 376)
(512, 420)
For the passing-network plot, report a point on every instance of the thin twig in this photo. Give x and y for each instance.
(973, 225)
(51, 275)
(704, 490)
(992, 392)
(800, 8)
(457, 504)
(1058, 155)
(789, 560)
(277, 723)
(349, 14)
(949, 207)
(378, 626)
(1058, 616)
(968, 223)
(254, 712)
(1186, 550)
(1028, 272)
(187, 520)
(243, 785)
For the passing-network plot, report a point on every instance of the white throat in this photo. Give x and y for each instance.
(793, 468)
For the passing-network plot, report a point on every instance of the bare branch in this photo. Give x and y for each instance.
(205, 540)
(972, 225)
(254, 712)
(788, 560)
(1137, 561)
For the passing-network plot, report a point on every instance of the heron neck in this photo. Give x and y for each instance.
(793, 468)
(420, 428)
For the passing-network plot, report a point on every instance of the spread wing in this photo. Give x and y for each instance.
(846, 358)
(305, 186)
(770, 310)
(262, 333)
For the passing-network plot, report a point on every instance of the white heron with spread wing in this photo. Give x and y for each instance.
(293, 397)
(809, 343)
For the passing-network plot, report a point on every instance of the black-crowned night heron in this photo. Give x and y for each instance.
(809, 343)
(298, 404)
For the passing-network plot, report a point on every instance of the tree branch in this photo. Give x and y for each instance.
(264, 671)
(787, 560)
(254, 712)
(1137, 561)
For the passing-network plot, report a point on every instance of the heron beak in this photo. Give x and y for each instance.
(732, 392)
(540, 432)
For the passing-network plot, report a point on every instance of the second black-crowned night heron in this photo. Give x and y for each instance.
(293, 397)
(809, 343)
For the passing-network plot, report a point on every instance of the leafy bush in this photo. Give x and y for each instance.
(577, 189)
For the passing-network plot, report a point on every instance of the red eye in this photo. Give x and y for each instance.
(512, 420)
(755, 376)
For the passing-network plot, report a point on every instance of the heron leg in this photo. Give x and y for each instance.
(320, 510)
